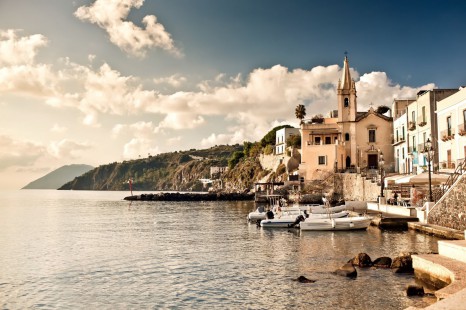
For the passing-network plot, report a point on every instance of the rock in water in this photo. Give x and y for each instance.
(403, 264)
(303, 279)
(383, 262)
(415, 290)
(347, 270)
(361, 260)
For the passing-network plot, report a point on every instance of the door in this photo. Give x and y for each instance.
(372, 161)
(448, 158)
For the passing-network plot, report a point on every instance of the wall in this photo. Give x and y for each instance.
(357, 188)
(450, 211)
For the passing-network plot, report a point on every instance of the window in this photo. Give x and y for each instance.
(403, 153)
(403, 132)
(414, 143)
(423, 114)
(328, 140)
(317, 140)
(346, 136)
(413, 114)
(449, 126)
(322, 160)
(464, 119)
(346, 102)
(371, 135)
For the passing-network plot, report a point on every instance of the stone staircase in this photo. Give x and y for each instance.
(446, 269)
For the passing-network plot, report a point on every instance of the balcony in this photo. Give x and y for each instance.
(412, 149)
(411, 125)
(462, 129)
(447, 134)
(398, 140)
(421, 147)
(421, 121)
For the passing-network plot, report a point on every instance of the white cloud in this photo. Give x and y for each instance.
(67, 148)
(139, 147)
(175, 80)
(16, 50)
(18, 153)
(111, 15)
(58, 129)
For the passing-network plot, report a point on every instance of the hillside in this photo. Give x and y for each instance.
(58, 177)
(169, 171)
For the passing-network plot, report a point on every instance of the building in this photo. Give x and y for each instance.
(347, 139)
(451, 120)
(281, 136)
(412, 128)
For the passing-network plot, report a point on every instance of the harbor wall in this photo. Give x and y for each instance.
(450, 211)
(353, 186)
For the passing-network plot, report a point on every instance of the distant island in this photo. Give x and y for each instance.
(58, 177)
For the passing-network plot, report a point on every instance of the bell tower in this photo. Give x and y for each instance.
(347, 109)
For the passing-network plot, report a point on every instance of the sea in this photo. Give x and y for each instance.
(94, 250)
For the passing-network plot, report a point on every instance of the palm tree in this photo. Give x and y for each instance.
(300, 112)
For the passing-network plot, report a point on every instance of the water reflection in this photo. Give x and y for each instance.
(68, 249)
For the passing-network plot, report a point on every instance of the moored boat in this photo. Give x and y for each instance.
(344, 223)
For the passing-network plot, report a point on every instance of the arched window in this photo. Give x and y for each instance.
(346, 136)
(346, 102)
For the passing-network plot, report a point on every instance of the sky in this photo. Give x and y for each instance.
(94, 82)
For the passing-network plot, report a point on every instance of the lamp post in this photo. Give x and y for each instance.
(381, 164)
(429, 150)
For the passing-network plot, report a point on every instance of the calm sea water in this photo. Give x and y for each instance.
(80, 249)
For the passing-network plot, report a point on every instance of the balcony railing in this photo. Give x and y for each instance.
(399, 140)
(421, 121)
(411, 125)
(412, 149)
(447, 134)
(462, 129)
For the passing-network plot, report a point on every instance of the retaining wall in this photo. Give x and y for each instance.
(450, 211)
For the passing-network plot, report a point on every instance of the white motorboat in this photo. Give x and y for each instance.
(258, 214)
(275, 205)
(331, 215)
(344, 223)
(283, 221)
(322, 209)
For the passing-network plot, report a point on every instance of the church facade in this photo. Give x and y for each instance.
(347, 140)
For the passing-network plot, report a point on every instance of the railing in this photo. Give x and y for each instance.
(421, 121)
(447, 134)
(411, 125)
(462, 129)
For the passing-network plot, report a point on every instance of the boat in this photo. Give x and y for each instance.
(275, 205)
(342, 223)
(322, 209)
(331, 215)
(283, 221)
(331, 223)
(258, 214)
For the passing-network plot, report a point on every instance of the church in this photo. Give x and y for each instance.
(346, 140)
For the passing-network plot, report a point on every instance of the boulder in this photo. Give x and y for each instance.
(414, 290)
(361, 260)
(403, 264)
(303, 279)
(347, 270)
(383, 262)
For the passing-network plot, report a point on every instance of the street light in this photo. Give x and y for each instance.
(381, 163)
(429, 150)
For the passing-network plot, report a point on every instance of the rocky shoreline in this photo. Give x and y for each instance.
(192, 197)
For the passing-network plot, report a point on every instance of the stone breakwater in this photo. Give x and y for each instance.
(191, 197)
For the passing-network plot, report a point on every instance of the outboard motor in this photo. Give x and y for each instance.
(269, 215)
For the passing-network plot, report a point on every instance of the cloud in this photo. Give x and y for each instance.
(67, 148)
(175, 80)
(18, 153)
(139, 147)
(16, 50)
(111, 15)
(58, 129)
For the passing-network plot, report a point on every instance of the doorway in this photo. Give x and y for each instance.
(372, 161)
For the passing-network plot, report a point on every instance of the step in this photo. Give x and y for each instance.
(440, 271)
(455, 249)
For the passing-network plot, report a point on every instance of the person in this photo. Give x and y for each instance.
(413, 196)
(395, 198)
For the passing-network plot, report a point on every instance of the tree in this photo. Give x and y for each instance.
(300, 112)
(270, 137)
(234, 159)
(294, 141)
(382, 109)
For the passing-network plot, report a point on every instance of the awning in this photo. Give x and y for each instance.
(423, 178)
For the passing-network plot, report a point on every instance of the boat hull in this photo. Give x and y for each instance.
(347, 223)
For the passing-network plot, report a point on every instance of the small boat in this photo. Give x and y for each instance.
(344, 223)
(258, 214)
(331, 223)
(322, 209)
(275, 204)
(284, 221)
(331, 215)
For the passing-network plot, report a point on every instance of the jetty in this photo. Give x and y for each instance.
(180, 196)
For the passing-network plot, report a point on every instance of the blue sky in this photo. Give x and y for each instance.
(94, 82)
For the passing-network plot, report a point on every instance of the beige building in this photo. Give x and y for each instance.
(451, 119)
(347, 139)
